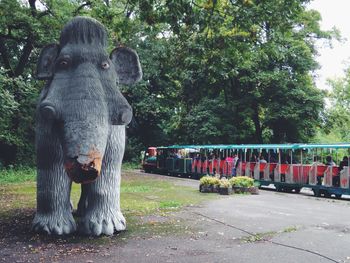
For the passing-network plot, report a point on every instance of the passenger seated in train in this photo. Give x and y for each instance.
(273, 158)
(316, 160)
(284, 159)
(344, 162)
(229, 159)
(329, 161)
(262, 159)
(235, 159)
(212, 158)
(336, 179)
(236, 162)
(177, 156)
(254, 158)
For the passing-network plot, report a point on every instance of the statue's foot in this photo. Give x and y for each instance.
(54, 224)
(98, 223)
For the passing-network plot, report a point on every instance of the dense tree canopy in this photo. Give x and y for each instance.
(215, 71)
(337, 116)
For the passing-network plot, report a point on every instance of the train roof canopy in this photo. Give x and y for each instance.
(324, 146)
(233, 146)
(293, 146)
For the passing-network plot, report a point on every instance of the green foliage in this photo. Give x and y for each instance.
(242, 181)
(224, 183)
(17, 175)
(214, 71)
(337, 115)
(23, 30)
(131, 165)
(245, 76)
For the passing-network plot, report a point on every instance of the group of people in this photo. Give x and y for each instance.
(261, 159)
(329, 161)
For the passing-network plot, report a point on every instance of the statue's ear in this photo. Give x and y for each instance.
(127, 64)
(46, 61)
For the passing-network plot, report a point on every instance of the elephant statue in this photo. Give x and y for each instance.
(80, 130)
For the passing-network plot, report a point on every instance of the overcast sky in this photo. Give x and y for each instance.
(334, 60)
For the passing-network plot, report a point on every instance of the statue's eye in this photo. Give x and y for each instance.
(105, 65)
(64, 62)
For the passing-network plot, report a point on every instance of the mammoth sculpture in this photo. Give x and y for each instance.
(80, 131)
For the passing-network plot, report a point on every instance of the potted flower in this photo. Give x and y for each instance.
(208, 184)
(225, 186)
(215, 181)
(205, 185)
(243, 184)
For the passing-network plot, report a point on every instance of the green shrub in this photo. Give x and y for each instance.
(209, 180)
(224, 183)
(18, 174)
(130, 166)
(242, 181)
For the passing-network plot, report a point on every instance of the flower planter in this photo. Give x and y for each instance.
(225, 191)
(239, 190)
(206, 188)
(216, 189)
(253, 190)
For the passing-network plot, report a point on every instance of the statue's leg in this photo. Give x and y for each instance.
(53, 214)
(102, 214)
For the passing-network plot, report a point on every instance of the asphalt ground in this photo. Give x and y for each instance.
(269, 227)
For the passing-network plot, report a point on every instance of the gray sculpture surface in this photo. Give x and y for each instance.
(80, 132)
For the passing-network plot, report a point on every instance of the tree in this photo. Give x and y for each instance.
(338, 114)
(215, 71)
(259, 55)
(23, 29)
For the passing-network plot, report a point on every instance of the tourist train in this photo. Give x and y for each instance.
(324, 168)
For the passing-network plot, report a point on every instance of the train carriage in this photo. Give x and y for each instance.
(289, 167)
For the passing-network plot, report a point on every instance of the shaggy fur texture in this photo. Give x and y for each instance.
(80, 132)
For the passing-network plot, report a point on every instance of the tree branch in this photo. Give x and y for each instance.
(24, 57)
(32, 7)
(106, 2)
(87, 3)
(46, 12)
(9, 36)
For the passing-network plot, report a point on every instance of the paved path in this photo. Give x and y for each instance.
(270, 227)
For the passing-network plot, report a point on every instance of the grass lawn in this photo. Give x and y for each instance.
(146, 202)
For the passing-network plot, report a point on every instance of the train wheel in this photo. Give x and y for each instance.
(316, 192)
(289, 190)
(327, 195)
(338, 196)
(297, 190)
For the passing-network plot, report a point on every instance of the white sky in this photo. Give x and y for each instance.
(333, 61)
